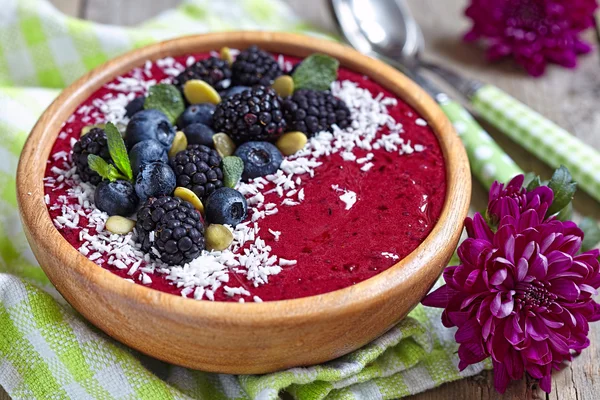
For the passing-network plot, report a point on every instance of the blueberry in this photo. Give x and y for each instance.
(199, 134)
(116, 198)
(155, 179)
(226, 206)
(260, 159)
(234, 90)
(195, 113)
(149, 124)
(135, 106)
(146, 152)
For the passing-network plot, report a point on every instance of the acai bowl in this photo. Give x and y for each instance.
(336, 225)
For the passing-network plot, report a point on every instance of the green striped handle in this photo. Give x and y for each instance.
(543, 138)
(488, 161)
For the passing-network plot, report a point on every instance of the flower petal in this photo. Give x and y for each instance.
(500, 308)
(565, 289)
(499, 277)
(439, 298)
(501, 378)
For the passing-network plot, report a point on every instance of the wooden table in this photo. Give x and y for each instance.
(567, 97)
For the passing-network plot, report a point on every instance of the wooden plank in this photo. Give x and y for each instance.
(316, 12)
(69, 7)
(3, 394)
(130, 12)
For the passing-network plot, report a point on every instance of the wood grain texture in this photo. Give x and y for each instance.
(567, 97)
(241, 338)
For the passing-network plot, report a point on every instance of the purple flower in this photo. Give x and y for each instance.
(522, 295)
(534, 32)
(513, 199)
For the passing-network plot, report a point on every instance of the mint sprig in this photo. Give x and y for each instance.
(233, 167)
(104, 169)
(167, 99)
(118, 151)
(316, 72)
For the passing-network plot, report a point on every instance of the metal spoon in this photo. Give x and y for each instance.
(360, 21)
(387, 28)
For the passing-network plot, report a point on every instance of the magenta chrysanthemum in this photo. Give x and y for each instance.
(534, 32)
(522, 295)
(513, 199)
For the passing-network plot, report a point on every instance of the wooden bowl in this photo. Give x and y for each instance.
(232, 337)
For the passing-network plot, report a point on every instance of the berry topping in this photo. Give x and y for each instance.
(260, 159)
(149, 124)
(254, 66)
(116, 198)
(198, 169)
(199, 133)
(254, 114)
(196, 113)
(136, 105)
(155, 179)
(173, 227)
(226, 206)
(213, 70)
(234, 90)
(145, 152)
(94, 142)
(312, 111)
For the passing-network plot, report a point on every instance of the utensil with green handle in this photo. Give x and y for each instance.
(534, 132)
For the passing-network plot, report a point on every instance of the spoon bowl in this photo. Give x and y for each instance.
(382, 27)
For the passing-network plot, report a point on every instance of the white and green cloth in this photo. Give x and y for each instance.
(47, 351)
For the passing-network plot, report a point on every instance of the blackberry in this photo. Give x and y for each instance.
(312, 111)
(254, 66)
(213, 70)
(254, 114)
(173, 227)
(198, 169)
(93, 142)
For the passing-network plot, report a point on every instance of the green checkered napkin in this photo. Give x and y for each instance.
(46, 349)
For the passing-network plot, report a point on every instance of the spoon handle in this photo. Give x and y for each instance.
(540, 136)
(488, 161)
(536, 133)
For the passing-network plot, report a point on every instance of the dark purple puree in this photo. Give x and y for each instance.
(399, 202)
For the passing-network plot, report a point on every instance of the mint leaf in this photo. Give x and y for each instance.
(316, 72)
(104, 169)
(167, 99)
(118, 151)
(564, 188)
(591, 233)
(233, 167)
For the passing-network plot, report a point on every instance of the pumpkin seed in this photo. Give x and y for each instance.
(291, 142)
(197, 91)
(119, 225)
(218, 237)
(187, 195)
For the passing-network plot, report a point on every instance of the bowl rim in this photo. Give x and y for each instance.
(43, 234)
